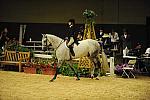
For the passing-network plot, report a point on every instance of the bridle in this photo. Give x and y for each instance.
(50, 43)
(46, 42)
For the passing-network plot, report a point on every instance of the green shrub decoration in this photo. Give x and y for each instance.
(83, 72)
(19, 48)
(89, 16)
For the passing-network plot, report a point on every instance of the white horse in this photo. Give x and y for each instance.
(86, 47)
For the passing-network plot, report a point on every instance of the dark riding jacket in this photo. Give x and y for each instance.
(72, 32)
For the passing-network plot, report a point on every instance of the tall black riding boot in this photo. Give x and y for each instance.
(71, 50)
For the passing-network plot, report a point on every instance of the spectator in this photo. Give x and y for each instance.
(100, 34)
(80, 33)
(114, 39)
(147, 52)
(3, 37)
(137, 51)
(106, 40)
(126, 42)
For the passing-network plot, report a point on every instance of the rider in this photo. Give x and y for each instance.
(71, 35)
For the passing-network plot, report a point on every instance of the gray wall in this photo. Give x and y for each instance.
(59, 11)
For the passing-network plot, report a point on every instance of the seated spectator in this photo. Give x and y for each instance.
(147, 60)
(80, 34)
(147, 52)
(106, 42)
(114, 39)
(79, 37)
(136, 51)
(114, 36)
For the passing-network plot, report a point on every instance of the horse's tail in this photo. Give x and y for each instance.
(103, 59)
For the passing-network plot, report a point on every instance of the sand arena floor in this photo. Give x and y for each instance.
(21, 86)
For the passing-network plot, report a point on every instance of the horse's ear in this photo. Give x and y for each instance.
(43, 34)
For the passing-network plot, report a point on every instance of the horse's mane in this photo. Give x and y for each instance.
(53, 36)
(54, 40)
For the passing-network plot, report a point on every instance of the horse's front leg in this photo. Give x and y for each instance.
(57, 70)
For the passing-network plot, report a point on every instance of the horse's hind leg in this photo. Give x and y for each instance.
(95, 61)
(97, 78)
(92, 72)
(76, 73)
(92, 68)
(98, 64)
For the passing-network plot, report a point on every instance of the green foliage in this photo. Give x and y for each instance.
(83, 72)
(19, 48)
(38, 71)
(66, 70)
(89, 16)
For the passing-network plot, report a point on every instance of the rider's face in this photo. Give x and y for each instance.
(69, 23)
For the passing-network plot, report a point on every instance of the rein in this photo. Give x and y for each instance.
(59, 44)
(56, 47)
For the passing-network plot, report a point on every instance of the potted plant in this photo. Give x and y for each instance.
(45, 66)
(49, 68)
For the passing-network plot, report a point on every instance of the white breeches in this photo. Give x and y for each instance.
(71, 41)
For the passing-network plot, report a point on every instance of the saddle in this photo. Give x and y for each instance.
(71, 47)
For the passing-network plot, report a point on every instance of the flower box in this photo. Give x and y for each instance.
(31, 70)
(48, 71)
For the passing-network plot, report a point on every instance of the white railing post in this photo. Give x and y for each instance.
(112, 67)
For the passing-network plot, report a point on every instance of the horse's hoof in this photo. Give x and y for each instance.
(52, 80)
(92, 77)
(77, 79)
(97, 78)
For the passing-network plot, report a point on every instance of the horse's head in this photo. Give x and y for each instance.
(44, 41)
(49, 39)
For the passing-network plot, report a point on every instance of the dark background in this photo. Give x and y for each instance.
(51, 16)
(59, 11)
